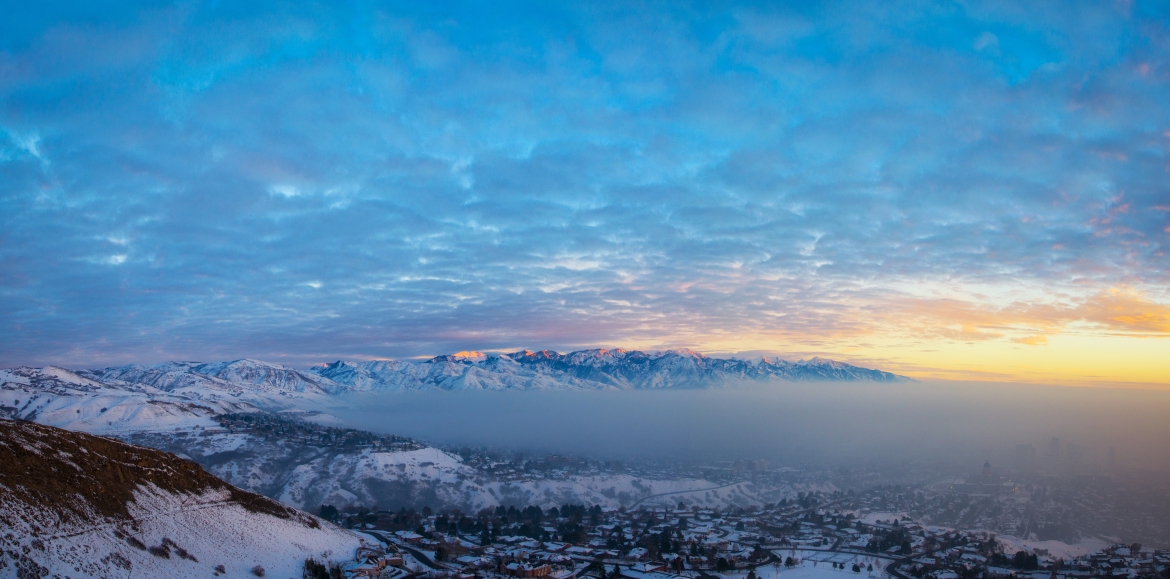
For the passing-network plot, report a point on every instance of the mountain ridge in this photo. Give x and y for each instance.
(278, 387)
(173, 395)
(592, 369)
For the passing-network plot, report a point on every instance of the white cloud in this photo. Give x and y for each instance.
(284, 191)
(987, 41)
(28, 143)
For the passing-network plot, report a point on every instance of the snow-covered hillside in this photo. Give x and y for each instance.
(261, 381)
(431, 476)
(168, 396)
(82, 506)
(301, 466)
(67, 399)
(585, 370)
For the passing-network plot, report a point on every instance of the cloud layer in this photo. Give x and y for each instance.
(310, 182)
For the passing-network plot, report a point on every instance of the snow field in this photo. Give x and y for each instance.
(209, 529)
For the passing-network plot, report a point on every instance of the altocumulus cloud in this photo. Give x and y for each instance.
(302, 182)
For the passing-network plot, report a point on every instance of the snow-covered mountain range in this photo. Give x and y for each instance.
(170, 395)
(586, 370)
(180, 406)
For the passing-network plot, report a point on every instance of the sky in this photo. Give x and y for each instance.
(947, 190)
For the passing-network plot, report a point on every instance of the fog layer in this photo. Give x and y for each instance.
(794, 423)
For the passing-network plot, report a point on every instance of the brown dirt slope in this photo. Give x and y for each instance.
(75, 475)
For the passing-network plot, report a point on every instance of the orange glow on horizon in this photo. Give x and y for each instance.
(1118, 337)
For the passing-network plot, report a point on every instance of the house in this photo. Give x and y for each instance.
(637, 554)
(393, 573)
(526, 571)
(363, 570)
(649, 566)
(633, 574)
(469, 561)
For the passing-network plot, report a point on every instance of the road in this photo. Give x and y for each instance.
(641, 500)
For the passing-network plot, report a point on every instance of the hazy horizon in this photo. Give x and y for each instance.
(809, 423)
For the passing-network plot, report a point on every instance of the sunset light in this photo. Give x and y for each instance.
(970, 193)
(556, 289)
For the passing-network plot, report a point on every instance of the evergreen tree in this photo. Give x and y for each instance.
(328, 512)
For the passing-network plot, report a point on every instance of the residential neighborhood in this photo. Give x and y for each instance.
(811, 535)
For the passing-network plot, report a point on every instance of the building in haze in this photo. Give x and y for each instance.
(1025, 457)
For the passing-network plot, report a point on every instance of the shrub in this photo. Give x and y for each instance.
(181, 552)
(315, 570)
(258, 571)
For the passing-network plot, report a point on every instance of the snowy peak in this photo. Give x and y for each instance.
(529, 354)
(686, 352)
(468, 356)
(49, 378)
(237, 378)
(361, 376)
(268, 375)
(594, 369)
